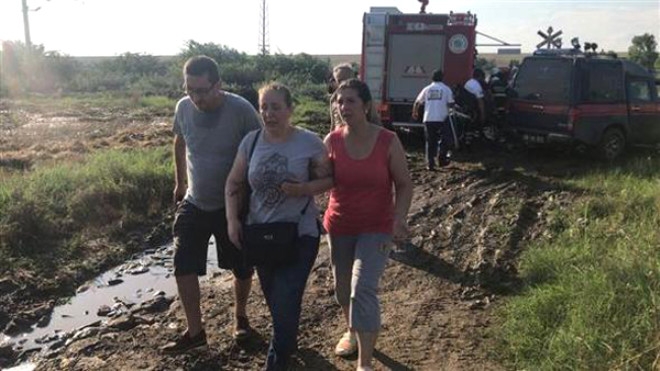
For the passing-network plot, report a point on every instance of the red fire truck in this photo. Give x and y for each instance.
(400, 52)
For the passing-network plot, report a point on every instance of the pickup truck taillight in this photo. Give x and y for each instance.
(573, 116)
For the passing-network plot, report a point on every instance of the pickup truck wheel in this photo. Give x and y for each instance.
(612, 144)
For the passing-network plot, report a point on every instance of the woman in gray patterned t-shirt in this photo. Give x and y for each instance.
(286, 168)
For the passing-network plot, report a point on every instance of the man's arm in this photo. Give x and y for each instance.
(415, 110)
(180, 169)
(418, 102)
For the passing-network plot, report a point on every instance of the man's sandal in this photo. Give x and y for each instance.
(347, 345)
(241, 328)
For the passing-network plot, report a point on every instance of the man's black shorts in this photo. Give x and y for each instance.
(192, 229)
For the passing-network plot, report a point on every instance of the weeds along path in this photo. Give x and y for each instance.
(46, 132)
(468, 225)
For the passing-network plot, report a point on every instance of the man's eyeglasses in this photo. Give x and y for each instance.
(199, 91)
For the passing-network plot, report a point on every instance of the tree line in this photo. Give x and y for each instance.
(32, 69)
(35, 70)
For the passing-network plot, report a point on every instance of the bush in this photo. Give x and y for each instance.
(41, 211)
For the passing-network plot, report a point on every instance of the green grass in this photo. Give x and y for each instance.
(44, 214)
(158, 103)
(592, 293)
(312, 114)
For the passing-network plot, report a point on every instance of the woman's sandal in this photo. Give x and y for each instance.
(347, 345)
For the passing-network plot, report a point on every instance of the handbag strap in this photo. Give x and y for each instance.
(302, 212)
(246, 207)
(254, 145)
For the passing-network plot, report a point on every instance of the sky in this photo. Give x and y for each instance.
(161, 27)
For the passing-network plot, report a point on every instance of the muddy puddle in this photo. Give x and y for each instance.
(109, 295)
(23, 367)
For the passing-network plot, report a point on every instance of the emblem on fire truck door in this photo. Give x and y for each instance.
(458, 43)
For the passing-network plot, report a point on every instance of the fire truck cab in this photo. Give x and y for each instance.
(400, 52)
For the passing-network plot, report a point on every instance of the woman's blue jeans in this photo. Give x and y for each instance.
(283, 288)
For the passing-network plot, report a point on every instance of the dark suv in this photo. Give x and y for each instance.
(604, 103)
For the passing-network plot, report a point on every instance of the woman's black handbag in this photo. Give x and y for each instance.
(270, 244)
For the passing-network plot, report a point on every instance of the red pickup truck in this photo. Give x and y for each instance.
(605, 103)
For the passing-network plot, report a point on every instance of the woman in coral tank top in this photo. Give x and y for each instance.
(367, 210)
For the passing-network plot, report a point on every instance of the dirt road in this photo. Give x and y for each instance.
(469, 223)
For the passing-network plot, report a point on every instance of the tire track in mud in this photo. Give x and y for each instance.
(478, 220)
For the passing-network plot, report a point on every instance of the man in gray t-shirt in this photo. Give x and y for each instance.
(209, 125)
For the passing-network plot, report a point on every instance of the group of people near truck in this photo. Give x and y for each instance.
(483, 102)
(236, 169)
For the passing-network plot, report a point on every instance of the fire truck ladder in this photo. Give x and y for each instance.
(500, 42)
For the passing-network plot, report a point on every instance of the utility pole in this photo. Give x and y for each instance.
(263, 29)
(26, 25)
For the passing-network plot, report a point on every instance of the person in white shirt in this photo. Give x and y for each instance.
(473, 86)
(437, 98)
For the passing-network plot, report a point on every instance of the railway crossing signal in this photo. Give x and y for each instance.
(550, 39)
